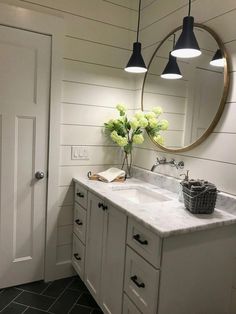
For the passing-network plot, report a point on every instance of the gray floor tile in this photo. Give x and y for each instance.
(38, 301)
(14, 308)
(7, 296)
(65, 302)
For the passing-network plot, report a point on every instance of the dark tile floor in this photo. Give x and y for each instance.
(62, 296)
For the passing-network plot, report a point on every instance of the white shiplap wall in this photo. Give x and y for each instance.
(215, 159)
(97, 45)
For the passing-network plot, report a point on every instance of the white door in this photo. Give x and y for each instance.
(24, 106)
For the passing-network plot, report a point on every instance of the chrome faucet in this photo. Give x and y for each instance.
(158, 162)
(172, 163)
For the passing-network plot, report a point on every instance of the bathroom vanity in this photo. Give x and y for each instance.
(139, 251)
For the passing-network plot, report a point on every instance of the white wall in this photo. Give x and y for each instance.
(97, 45)
(215, 159)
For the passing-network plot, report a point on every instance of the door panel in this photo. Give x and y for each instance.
(19, 71)
(24, 106)
(24, 205)
(94, 235)
(113, 261)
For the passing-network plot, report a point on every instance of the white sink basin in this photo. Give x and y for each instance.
(140, 195)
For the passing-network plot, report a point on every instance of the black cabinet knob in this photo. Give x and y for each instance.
(104, 207)
(101, 205)
(138, 239)
(79, 194)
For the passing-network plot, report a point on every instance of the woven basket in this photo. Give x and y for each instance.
(200, 202)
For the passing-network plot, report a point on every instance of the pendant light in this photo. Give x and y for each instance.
(136, 63)
(172, 71)
(218, 60)
(187, 45)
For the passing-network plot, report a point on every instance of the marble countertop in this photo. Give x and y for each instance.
(164, 218)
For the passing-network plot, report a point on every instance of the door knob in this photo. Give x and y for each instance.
(39, 175)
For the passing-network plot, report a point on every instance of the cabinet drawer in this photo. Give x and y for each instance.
(129, 307)
(80, 222)
(145, 242)
(78, 256)
(81, 195)
(141, 282)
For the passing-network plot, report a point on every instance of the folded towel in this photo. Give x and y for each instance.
(111, 174)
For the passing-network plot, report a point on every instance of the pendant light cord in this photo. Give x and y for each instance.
(189, 7)
(173, 41)
(139, 9)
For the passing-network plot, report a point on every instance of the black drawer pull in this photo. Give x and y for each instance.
(76, 256)
(100, 205)
(79, 222)
(135, 280)
(81, 195)
(104, 207)
(137, 238)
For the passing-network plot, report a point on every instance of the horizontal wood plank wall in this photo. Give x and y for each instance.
(97, 45)
(215, 159)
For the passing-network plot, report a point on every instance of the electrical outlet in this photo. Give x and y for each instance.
(79, 153)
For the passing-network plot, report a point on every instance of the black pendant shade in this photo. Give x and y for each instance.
(187, 45)
(171, 71)
(136, 63)
(218, 60)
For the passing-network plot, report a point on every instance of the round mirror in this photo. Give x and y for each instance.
(194, 99)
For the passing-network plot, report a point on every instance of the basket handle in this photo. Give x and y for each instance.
(207, 189)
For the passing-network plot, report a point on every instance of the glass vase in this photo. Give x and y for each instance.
(127, 164)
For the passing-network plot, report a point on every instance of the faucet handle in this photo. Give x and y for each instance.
(162, 160)
(181, 166)
(186, 175)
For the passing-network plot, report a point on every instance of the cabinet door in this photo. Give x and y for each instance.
(94, 236)
(113, 260)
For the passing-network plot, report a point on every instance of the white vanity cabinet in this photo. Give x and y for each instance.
(130, 269)
(104, 252)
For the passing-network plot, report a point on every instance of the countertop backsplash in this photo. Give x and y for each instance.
(163, 181)
(226, 202)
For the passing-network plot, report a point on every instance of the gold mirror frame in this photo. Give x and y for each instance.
(224, 94)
